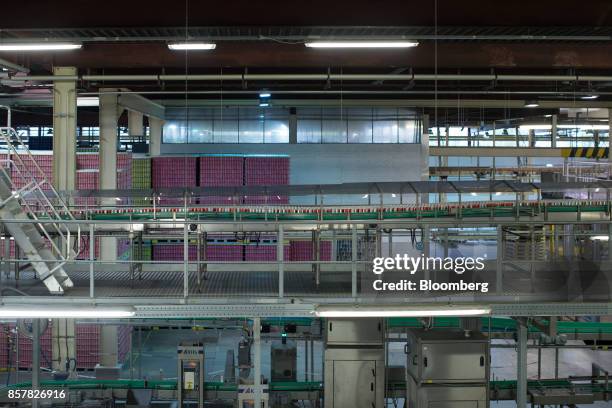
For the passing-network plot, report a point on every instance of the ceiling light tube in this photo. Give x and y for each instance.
(401, 312)
(589, 97)
(39, 46)
(531, 104)
(600, 238)
(192, 46)
(73, 312)
(535, 127)
(361, 44)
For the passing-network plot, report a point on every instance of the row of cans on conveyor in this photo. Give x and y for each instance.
(346, 210)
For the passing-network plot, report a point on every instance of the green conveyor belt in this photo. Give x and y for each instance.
(274, 386)
(501, 211)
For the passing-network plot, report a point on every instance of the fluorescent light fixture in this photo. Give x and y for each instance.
(265, 95)
(264, 104)
(192, 46)
(531, 104)
(542, 126)
(74, 312)
(589, 97)
(600, 238)
(88, 101)
(584, 127)
(361, 44)
(549, 165)
(401, 311)
(39, 46)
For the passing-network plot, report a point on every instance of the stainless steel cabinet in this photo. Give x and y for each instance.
(447, 357)
(447, 396)
(354, 378)
(359, 332)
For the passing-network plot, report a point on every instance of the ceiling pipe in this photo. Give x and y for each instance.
(317, 77)
(312, 77)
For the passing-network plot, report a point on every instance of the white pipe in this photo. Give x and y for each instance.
(316, 77)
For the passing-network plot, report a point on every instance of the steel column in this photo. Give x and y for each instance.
(64, 130)
(280, 257)
(521, 366)
(35, 359)
(257, 360)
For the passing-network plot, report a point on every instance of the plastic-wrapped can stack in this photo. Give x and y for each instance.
(84, 252)
(141, 178)
(87, 176)
(124, 342)
(302, 250)
(87, 345)
(124, 171)
(266, 171)
(173, 252)
(264, 252)
(224, 252)
(221, 171)
(5, 334)
(25, 350)
(169, 172)
(24, 168)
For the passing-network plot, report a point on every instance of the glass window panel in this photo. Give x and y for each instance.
(407, 131)
(360, 131)
(201, 131)
(334, 131)
(226, 131)
(174, 132)
(276, 131)
(309, 131)
(385, 131)
(251, 131)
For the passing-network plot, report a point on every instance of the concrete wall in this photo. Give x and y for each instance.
(329, 163)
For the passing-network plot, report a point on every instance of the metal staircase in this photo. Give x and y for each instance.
(27, 195)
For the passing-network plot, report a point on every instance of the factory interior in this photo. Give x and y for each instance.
(306, 204)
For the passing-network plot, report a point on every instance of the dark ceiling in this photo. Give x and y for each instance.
(470, 36)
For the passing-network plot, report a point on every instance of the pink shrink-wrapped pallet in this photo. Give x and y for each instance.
(302, 251)
(264, 252)
(173, 172)
(124, 342)
(87, 346)
(266, 171)
(221, 172)
(24, 360)
(24, 169)
(5, 333)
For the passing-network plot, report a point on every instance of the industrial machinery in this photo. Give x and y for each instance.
(283, 357)
(191, 374)
(354, 363)
(447, 369)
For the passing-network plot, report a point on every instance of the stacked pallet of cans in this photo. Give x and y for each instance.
(224, 252)
(87, 345)
(141, 178)
(23, 169)
(173, 172)
(124, 342)
(265, 252)
(23, 358)
(173, 252)
(221, 171)
(302, 250)
(84, 249)
(124, 171)
(5, 336)
(87, 176)
(266, 171)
